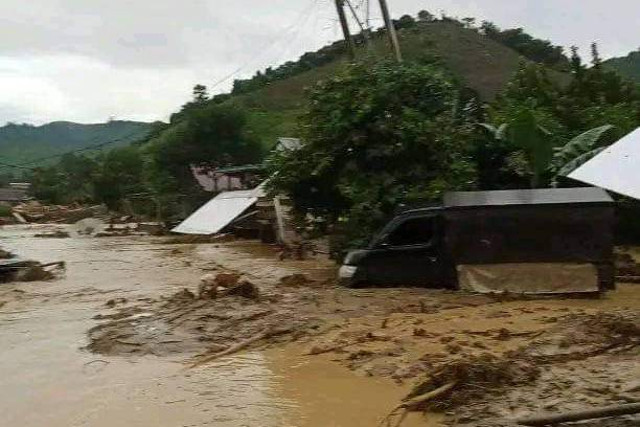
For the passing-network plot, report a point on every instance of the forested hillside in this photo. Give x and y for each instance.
(22, 143)
(628, 66)
(483, 58)
(471, 107)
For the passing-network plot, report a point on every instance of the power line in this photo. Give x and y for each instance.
(295, 35)
(264, 49)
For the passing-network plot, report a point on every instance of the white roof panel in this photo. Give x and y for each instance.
(220, 211)
(617, 168)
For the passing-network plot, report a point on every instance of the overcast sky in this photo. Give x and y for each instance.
(91, 60)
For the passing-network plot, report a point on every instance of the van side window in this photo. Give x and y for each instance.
(414, 231)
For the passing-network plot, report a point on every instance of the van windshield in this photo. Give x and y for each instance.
(414, 231)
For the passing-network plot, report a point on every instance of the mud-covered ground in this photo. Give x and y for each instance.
(577, 352)
(505, 358)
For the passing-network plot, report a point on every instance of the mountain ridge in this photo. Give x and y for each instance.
(626, 66)
(22, 144)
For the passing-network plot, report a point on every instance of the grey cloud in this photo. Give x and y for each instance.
(86, 60)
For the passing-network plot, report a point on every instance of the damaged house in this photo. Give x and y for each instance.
(238, 205)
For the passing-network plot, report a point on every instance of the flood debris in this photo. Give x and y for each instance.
(6, 254)
(587, 414)
(267, 333)
(460, 383)
(57, 234)
(627, 269)
(470, 378)
(244, 289)
(115, 302)
(35, 212)
(295, 280)
(226, 284)
(18, 270)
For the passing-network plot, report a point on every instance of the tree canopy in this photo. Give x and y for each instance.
(376, 136)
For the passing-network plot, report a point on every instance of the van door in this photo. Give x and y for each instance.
(407, 254)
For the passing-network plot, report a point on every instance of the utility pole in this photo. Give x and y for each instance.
(368, 15)
(363, 30)
(391, 30)
(345, 28)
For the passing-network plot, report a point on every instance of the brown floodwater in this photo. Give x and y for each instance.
(48, 379)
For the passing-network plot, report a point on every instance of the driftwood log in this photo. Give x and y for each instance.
(414, 403)
(588, 414)
(268, 333)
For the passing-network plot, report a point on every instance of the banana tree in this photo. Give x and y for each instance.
(578, 151)
(525, 132)
(537, 143)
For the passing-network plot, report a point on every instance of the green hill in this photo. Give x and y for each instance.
(26, 144)
(477, 61)
(628, 66)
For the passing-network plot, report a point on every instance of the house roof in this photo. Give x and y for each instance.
(288, 144)
(220, 211)
(12, 195)
(239, 169)
(615, 168)
(548, 196)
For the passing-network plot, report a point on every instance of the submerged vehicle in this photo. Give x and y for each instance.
(524, 241)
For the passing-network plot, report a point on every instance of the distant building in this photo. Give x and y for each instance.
(243, 177)
(25, 186)
(226, 179)
(12, 195)
(289, 144)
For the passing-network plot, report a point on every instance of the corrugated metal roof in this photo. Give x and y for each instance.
(616, 168)
(220, 211)
(288, 144)
(548, 196)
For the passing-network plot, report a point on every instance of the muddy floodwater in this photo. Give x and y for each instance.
(149, 331)
(48, 378)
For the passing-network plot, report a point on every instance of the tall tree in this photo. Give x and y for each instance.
(200, 94)
(377, 136)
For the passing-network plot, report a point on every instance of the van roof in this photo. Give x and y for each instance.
(547, 196)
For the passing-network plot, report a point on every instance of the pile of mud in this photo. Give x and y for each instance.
(226, 310)
(471, 387)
